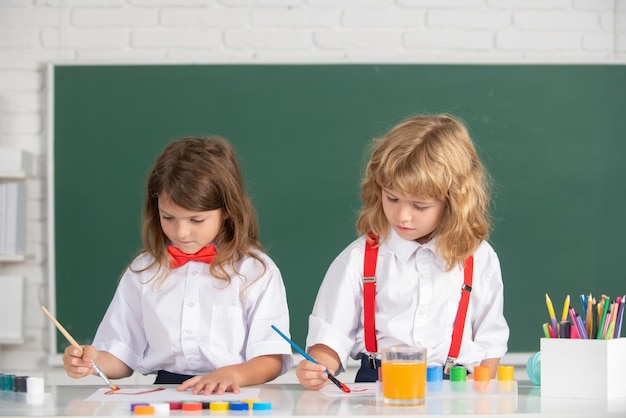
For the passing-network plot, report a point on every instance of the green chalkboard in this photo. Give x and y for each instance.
(552, 137)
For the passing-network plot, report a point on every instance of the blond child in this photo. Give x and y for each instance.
(424, 215)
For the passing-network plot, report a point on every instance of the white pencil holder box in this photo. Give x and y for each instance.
(584, 369)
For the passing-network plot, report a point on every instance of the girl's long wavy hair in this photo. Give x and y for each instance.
(201, 174)
(431, 156)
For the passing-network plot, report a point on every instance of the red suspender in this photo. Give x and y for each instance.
(369, 303)
(369, 295)
(459, 322)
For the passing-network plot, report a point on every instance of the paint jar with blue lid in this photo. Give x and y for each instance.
(434, 378)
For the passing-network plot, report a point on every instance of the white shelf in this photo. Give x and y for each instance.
(16, 166)
(12, 310)
(11, 258)
(14, 175)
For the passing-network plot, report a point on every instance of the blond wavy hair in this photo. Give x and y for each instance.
(201, 174)
(431, 156)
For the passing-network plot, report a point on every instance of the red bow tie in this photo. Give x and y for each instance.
(180, 258)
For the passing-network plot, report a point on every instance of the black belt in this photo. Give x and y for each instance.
(165, 377)
(368, 372)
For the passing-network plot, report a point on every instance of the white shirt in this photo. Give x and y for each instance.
(416, 303)
(194, 323)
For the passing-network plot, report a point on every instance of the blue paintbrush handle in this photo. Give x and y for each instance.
(312, 360)
(294, 345)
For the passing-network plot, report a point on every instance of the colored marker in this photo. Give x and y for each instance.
(333, 379)
(577, 323)
(546, 331)
(565, 330)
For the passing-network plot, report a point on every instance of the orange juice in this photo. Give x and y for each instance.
(404, 382)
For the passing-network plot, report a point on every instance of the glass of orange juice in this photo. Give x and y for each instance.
(403, 373)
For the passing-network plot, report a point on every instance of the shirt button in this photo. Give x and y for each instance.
(189, 331)
(419, 343)
(420, 312)
(194, 273)
(190, 304)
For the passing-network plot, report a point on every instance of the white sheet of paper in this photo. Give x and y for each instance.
(356, 389)
(168, 395)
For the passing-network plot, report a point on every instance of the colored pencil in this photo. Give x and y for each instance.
(605, 308)
(620, 314)
(565, 309)
(583, 301)
(611, 328)
(588, 320)
(552, 315)
(594, 319)
(581, 327)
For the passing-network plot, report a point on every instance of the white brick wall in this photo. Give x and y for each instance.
(35, 32)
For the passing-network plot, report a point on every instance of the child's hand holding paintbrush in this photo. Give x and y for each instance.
(332, 378)
(79, 350)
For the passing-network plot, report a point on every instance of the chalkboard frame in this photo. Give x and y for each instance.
(541, 217)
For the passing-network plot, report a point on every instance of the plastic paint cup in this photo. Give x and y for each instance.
(239, 406)
(135, 405)
(261, 406)
(6, 382)
(506, 373)
(458, 374)
(144, 410)
(434, 378)
(219, 406)
(404, 375)
(482, 376)
(35, 385)
(458, 377)
(19, 384)
(175, 405)
(192, 406)
(506, 377)
(161, 408)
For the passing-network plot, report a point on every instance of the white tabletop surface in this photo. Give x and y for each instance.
(293, 400)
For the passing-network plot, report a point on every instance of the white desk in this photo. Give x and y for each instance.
(293, 400)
